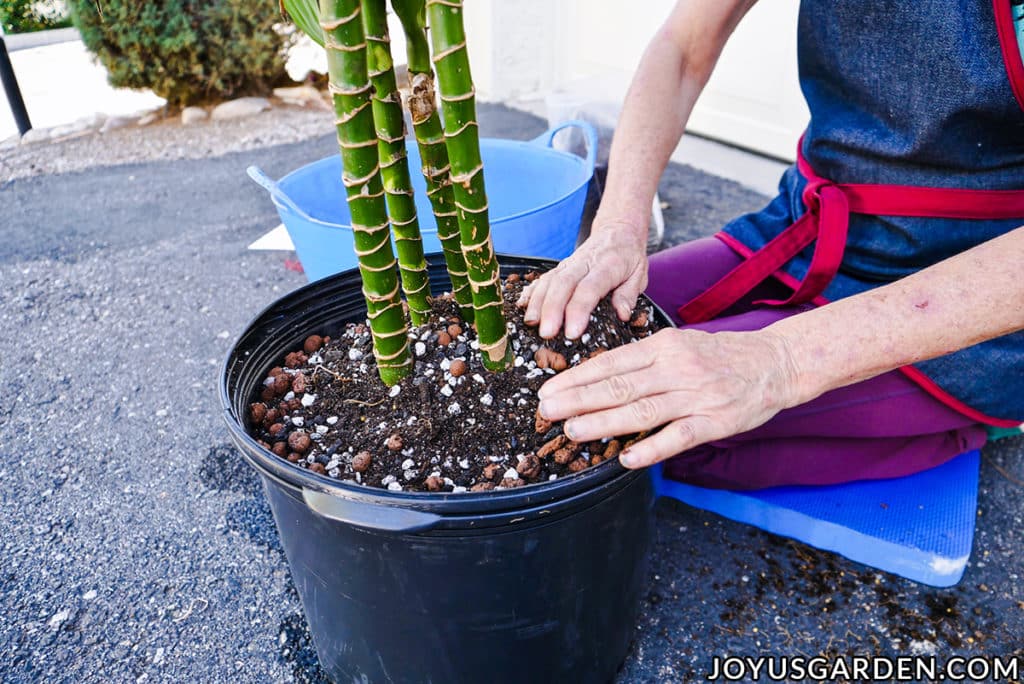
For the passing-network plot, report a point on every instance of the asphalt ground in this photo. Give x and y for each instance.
(137, 546)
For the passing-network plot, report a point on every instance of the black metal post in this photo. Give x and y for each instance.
(14, 98)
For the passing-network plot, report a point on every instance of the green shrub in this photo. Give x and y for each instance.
(187, 51)
(23, 16)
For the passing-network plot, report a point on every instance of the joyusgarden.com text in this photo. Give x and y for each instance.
(865, 668)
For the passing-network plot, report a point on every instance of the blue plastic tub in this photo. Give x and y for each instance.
(536, 197)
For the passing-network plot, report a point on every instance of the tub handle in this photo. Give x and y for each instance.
(370, 516)
(276, 193)
(589, 132)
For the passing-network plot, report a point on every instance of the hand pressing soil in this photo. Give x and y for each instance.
(451, 426)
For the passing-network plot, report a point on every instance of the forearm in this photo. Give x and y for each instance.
(974, 296)
(670, 77)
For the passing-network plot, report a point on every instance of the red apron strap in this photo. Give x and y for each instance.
(826, 221)
(745, 277)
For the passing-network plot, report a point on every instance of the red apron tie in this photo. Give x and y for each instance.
(826, 221)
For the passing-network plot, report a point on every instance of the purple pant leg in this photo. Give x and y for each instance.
(883, 427)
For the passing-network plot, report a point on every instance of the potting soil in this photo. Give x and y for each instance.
(451, 425)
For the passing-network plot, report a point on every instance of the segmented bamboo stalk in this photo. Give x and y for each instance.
(350, 87)
(394, 163)
(458, 104)
(426, 124)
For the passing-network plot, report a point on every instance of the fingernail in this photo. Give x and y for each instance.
(543, 409)
(628, 459)
(546, 332)
(570, 430)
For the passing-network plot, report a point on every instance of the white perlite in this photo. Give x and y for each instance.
(354, 354)
(395, 487)
(298, 421)
(408, 463)
(332, 420)
(511, 474)
(454, 408)
(487, 400)
(446, 390)
(478, 378)
(420, 348)
(308, 399)
(322, 429)
(395, 391)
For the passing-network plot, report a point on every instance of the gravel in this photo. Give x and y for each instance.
(138, 547)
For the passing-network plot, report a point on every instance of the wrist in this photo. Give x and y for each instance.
(633, 227)
(790, 385)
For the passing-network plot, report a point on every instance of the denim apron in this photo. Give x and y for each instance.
(914, 153)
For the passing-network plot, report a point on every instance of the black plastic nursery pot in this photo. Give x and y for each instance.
(534, 584)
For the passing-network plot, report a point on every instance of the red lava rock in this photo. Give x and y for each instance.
(640, 320)
(434, 483)
(257, 412)
(552, 446)
(312, 343)
(578, 465)
(318, 468)
(444, 339)
(294, 457)
(276, 370)
(597, 352)
(299, 383)
(482, 487)
(541, 424)
(282, 383)
(549, 358)
(327, 339)
(275, 429)
(529, 467)
(563, 456)
(299, 441)
(271, 417)
(295, 359)
(294, 405)
(267, 393)
(512, 278)
(394, 442)
(280, 448)
(611, 451)
(458, 367)
(454, 330)
(491, 470)
(361, 461)
(510, 482)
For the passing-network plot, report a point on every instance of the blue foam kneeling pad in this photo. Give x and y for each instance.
(920, 527)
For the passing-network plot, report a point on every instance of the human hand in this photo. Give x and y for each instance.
(613, 259)
(699, 386)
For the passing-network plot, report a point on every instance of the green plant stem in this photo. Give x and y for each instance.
(458, 104)
(426, 123)
(350, 88)
(394, 163)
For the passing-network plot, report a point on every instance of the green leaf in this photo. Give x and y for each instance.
(306, 15)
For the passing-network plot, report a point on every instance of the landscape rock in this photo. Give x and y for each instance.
(301, 96)
(240, 108)
(193, 115)
(150, 118)
(34, 135)
(115, 122)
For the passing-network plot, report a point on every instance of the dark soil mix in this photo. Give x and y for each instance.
(451, 426)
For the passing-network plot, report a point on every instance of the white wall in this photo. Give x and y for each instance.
(529, 48)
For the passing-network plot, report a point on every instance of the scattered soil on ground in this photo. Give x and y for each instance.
(451, 426)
